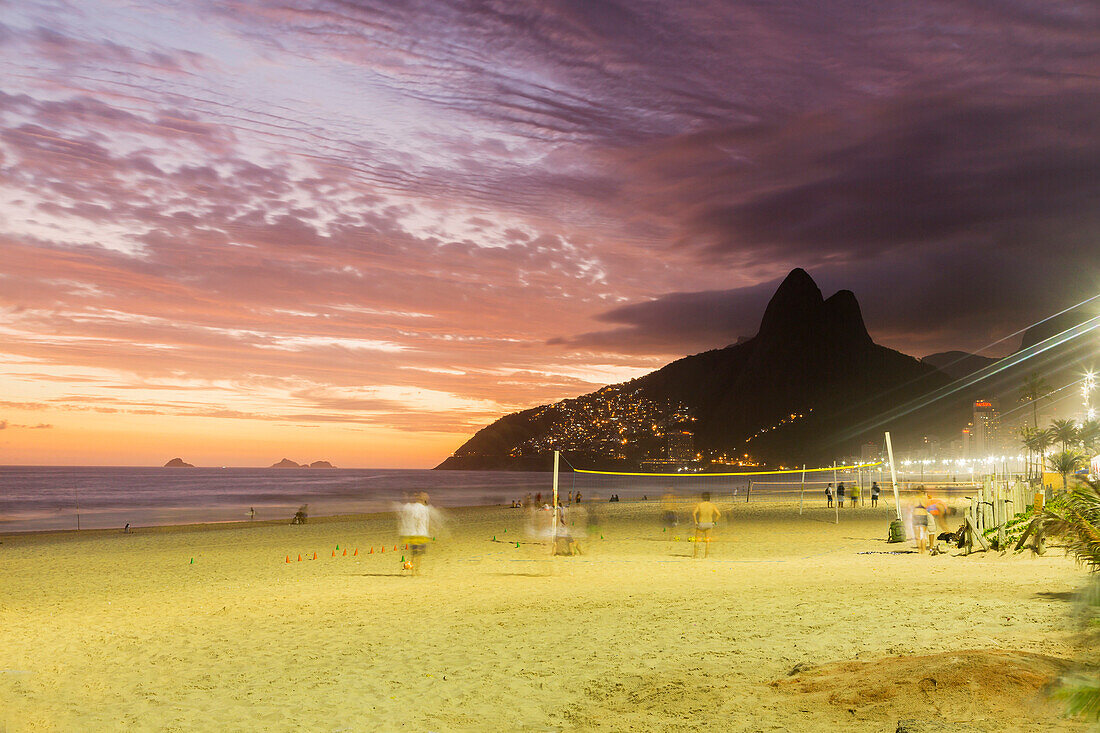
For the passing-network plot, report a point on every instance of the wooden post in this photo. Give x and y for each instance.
(977, 535)
(999, 516)
(748, 490)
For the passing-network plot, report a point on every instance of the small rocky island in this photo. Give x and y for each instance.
(287, 463)
(178, 463)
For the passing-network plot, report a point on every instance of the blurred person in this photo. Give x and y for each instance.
(840, 495)
(937, 513)
(668, 510)
(921, 521)
(565, 543)
(414, 525)
(856, 494)
(706, 516)
(875, 491)
(829, 496)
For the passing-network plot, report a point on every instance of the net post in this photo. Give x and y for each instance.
(893, 475)
(748, 491)
(554, 510)
(859, 480)
(802, 495)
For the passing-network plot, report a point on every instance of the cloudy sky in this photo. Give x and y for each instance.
(353, 230)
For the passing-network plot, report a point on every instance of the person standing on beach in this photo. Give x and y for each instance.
(414, 520)
(706, 516)
(921, 522)
(829, 496)
(875, 491)
(668, 510)
(840, 495)
(857, 491)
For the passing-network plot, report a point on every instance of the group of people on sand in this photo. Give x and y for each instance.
(854, 494)
(569, 498)
(929, 517)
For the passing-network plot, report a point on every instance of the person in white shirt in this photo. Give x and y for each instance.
(414, 520)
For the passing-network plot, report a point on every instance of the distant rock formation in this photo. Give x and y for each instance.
(321, 464)
(178, 463)
(809, 386)
(286, 463)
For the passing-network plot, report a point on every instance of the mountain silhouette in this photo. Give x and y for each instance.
(810, 386)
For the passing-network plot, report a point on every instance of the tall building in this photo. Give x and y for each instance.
(985, 429)
(681, 446)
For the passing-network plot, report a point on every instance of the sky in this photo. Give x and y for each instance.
(359, 231)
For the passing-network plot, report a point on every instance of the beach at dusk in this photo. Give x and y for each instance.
(792, 624)
(549, 365)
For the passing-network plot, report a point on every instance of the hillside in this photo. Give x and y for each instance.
(809, 386)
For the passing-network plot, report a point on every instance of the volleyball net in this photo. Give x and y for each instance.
(743, 485)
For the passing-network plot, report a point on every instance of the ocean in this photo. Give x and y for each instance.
(35, 498)
(38, 498)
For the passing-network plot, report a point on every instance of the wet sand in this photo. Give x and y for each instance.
(793, 624)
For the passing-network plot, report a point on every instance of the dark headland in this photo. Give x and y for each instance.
(810, 386)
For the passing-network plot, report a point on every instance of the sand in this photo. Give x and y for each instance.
(788, 626)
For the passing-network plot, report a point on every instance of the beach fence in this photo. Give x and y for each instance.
(993, 515)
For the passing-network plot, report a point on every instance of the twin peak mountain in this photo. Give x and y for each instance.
(810, 386)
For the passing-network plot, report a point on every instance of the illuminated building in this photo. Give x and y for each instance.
(984, 431)
(681, 445)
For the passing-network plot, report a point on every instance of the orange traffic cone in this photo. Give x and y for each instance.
(406, 547)
(356, 553)
(299, 558)
(334, 553)
(383, 548)
(345, 552)
(288, 558)
(395, 548)
(314, 555)
(371, 550)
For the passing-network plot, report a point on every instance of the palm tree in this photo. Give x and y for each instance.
(1066, 463)
(1027, 438)
(1034, 389)
(1065, 431)
(1088, 435)
(1036, 440)
(1075, 519)
(1044, 438)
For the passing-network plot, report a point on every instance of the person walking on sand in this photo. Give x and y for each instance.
(875, 491)
(706, 515)
(414, 520)
(921, 522)
(829, 496)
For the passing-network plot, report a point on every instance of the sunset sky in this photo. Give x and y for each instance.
(359, 231)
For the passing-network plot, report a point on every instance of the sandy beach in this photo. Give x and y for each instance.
(792, 624)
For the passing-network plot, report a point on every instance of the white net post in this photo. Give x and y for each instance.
(802, 493)
(554, 511)
(893, 474)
